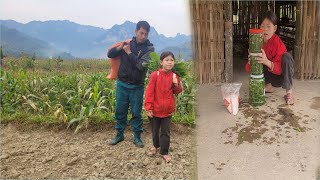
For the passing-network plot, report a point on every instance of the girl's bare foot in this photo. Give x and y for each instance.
(269, 88)
(153, 150)
(166, 158)
(289, 97)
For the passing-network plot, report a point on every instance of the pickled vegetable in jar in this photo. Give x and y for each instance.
(255, 67)
(255, 40)
(256, 90)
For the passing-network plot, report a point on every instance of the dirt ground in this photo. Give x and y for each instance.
(271, 142)
(57, 153)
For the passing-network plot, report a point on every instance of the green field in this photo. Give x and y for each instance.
(74, 93)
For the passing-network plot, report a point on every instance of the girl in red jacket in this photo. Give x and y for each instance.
(278, 63)
(159, 103)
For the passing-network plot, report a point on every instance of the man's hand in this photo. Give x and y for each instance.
(150, 113)
(127, 49)
(120, 47)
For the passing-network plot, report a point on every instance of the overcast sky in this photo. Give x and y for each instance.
(169, 17)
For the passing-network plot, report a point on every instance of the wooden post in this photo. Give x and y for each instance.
(228, 41)
(198, 41)
(303, 39)
(298, 34)
(313, 49)
(193, 39)
(318, 58)
(211, 43)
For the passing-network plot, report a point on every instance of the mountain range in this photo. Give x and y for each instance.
(68, 39)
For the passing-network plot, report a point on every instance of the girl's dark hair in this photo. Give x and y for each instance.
(166, 54)
(271, 16)
(143, 24)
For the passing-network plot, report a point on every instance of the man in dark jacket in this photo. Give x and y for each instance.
(130, 83)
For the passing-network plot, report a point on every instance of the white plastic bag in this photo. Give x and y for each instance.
(231, 97)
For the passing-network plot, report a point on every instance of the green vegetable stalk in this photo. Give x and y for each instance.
(256, 91)
(255, 42)
(255, 67)
(154, 64)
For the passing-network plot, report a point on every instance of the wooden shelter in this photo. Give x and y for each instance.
(220, 28)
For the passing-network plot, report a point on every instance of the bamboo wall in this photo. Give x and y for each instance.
(307, 49)
(208, 40)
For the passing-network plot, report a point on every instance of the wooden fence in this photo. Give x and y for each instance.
(307, 49)
(208, 40)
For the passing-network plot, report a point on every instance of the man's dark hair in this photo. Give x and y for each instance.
(271, 16)
(143, 24)
(166, 54)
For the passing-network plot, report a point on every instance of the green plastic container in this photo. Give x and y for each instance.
(255, 67)
(256, 90)
(255, 40)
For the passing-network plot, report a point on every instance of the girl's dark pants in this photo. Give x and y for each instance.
(161, 140)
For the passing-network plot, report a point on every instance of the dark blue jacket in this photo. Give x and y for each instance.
(131, 70)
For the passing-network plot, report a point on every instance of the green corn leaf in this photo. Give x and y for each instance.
(82, 111)
(87, 91)
(73, 121)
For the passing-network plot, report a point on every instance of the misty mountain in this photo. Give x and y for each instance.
(15, 42)
(88, 41)
(183, 51)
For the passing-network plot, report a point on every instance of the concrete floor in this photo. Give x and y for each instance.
(271, 142)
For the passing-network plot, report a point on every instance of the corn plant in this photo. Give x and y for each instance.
(68, 95)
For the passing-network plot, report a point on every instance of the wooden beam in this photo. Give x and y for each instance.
(303, 38)
(318, 52)
(228, 41)
(297, 51)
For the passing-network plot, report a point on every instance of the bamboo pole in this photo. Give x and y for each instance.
(220, 41)
(307, 40)
(199, 40)
(228, 42)
(196, 26)
(307, 50)
(206, 38)
(318, 39)
(298, 34)
(213, 42)
(303, 41)
(192, 36)
(204, 28)
(212, 49)
(313, 37)
(206, 35)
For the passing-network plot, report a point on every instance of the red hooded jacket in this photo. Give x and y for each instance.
(274, 50)
(159, 93)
